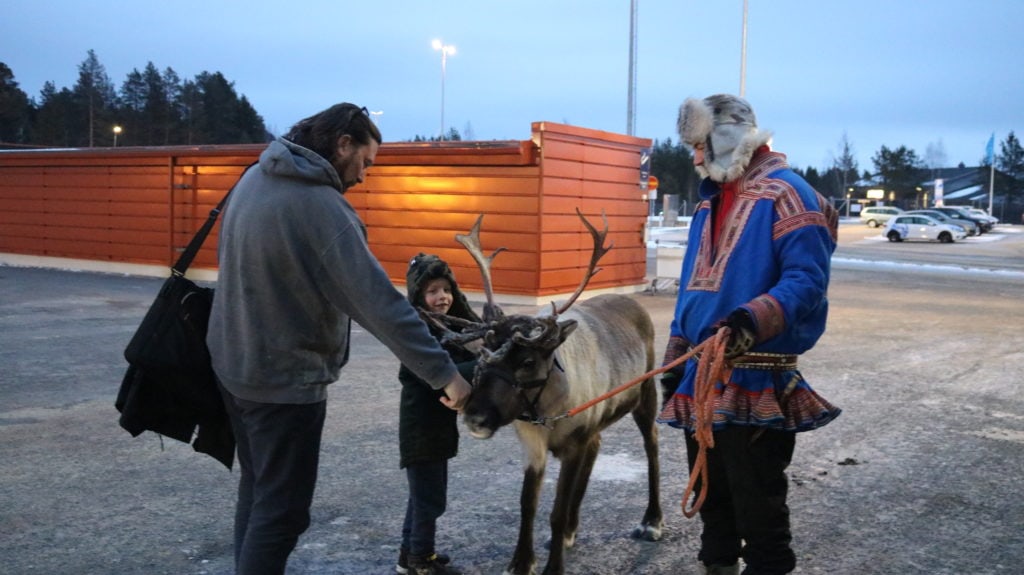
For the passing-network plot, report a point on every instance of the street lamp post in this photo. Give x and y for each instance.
(445, 51)
(117, 131)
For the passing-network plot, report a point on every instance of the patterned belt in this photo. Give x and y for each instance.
(763, 360)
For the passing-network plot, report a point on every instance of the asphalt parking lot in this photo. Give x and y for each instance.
(921, 474)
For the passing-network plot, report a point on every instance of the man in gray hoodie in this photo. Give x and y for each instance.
(294, 271)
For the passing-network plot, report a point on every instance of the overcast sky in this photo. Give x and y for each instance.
(941, 73)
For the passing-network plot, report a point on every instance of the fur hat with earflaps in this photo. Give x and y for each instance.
(727, 127)
(425, 267)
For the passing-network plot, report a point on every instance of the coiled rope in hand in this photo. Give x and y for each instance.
(711, 369)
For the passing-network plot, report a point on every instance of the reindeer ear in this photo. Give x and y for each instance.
(565, 328)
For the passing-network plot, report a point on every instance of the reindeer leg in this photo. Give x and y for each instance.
(645, 415)
(523, 560)
(572, 485)
(579, 489)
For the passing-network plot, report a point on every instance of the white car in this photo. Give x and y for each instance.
(921, 227)
(982, 214)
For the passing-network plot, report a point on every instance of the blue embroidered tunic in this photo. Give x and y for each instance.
(772, 259)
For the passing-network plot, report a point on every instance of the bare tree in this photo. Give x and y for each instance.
(845, 165)
(935, 156)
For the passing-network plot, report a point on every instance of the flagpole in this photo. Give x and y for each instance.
(991, 185)
(990, 151)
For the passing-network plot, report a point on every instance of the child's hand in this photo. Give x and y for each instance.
(456, 393)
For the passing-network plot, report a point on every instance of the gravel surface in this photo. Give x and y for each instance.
(921, 474)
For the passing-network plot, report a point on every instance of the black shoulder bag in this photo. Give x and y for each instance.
(169, 387)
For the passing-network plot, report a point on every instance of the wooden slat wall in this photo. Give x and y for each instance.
(129, 205)
(417, 197)
(593, 171)
(143, 205)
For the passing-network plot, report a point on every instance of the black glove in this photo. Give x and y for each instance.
(670, 383)
(743, 333)
(676, 348)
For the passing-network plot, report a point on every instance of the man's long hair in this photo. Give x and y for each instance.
(320, 132)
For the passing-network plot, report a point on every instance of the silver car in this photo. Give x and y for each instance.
(875, 216)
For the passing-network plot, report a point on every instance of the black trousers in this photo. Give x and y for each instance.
(745, 513)
(278, 454)
(428, 496)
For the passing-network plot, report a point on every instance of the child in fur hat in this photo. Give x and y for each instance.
(428, 433)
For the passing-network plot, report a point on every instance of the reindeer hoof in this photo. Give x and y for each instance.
(647, 532)
(567, 542)
(517, 568)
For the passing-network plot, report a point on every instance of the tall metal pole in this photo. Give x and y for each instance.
(445, 50)
(444, 66)
(743, 54)
(631, 89)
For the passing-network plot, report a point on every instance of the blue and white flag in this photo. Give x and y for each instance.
(990, 148)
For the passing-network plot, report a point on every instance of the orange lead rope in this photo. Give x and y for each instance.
(711, 368)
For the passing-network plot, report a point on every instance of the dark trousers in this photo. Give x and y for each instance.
(746, 500)
(278, 455)
(428, 496)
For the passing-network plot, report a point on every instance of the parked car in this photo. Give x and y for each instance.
(983, 215)
(960, 213)
(917, 227)
(970, 227)
(875, 216)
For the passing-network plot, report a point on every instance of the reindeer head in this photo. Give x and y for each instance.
(518, 364)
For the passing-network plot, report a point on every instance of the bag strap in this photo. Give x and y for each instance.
(192, 249)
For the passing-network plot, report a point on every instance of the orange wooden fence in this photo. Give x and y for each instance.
(140, 206)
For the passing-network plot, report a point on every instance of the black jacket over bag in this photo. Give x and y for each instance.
(169, 387)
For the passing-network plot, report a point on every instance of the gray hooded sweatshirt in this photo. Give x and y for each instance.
(294, 269)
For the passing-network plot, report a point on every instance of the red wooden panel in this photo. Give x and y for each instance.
(559, 149)
(561, 205)
(571, 187)
(601, 172)
(126, 199)
(452, 185)
(463, 220)
(612, 156)
(612, 190)
(450, 202)
(358, 200)
(92, 177)
(414, 238)
(17, 244)
(457, 153)
(137, 210)
(563, 169)
(508, 260)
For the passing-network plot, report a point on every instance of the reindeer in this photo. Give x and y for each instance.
(531, 373)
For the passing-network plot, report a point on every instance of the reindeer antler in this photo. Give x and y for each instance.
(597, 253)
(469, 330)
(472, 244)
